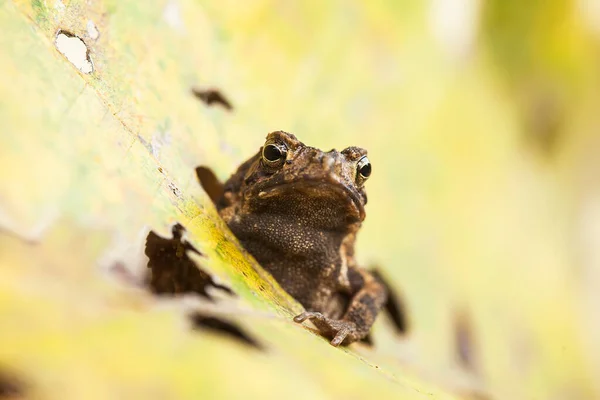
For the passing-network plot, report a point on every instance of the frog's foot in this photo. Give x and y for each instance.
(337, 329)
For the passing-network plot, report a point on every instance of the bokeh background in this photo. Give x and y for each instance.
(480, 118)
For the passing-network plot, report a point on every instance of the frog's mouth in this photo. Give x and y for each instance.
(320, 191)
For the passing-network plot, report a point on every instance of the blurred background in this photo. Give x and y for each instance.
(482, 125)
(481, 120)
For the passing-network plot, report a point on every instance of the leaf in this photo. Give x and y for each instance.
(90, 164)
(481, 124)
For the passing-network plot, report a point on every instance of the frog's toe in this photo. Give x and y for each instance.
(341, 335)
(308, 315)
(336, 329)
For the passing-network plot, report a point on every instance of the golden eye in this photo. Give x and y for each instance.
(363, 167)
(273, 153)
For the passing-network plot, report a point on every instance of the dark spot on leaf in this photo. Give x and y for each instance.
(464, 342)
(544, 120)
(479, 394)
(143, 141)
(123, 274)
(261, 288)
(210, 183)
(160, 170)
(175, 190)
(11, 386)
(212, 96)
(221, 326)
(395, 305)
(172, 271)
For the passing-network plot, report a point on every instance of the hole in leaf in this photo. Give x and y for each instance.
(212, 96)
(223, 327)
(75, 50)
(172, 271)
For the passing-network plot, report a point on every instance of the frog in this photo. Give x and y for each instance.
(297, 210)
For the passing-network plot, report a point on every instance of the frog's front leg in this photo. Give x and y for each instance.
(369, 296)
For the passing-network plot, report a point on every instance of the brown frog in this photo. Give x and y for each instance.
(297, 210)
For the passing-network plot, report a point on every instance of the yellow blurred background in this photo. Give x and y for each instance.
(480, 117)
(481, 120)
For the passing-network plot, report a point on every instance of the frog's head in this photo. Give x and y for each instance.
(318, 187)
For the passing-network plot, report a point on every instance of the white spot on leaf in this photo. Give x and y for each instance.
(172, 15)
(159, 140)
(59, 6)
(75, 50)
(455, 24)
(92, 31)
(589, 11)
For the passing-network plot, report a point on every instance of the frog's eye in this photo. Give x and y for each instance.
(273, 153)
(363, 167)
